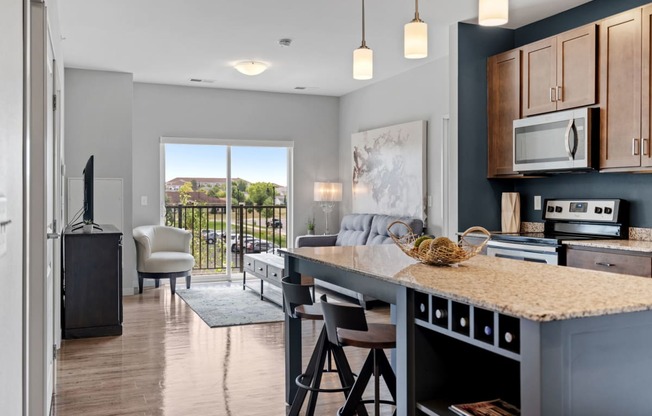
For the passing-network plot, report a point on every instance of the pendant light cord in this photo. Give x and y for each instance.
(364, 43)
(416, 11)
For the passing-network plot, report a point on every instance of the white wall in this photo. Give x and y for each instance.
(11, 186)
(98, 121)
(172, 111)
(419, 94)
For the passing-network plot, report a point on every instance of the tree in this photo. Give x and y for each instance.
(241, 184)
(260, 192)
(184, 193)
(195, 185)
(236, 194)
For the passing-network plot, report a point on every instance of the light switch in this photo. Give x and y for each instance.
(537, 202)
(143, 201)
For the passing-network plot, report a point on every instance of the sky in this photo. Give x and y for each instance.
(254, 164)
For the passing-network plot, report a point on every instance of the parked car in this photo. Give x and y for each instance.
(275, 223)
(209, 235)
(258, 246)
(235, 245)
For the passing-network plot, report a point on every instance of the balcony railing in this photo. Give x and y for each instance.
(254, 229)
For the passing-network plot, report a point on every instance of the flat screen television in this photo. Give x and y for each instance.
(88, 191)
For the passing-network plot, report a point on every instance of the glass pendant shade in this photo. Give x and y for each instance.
(363, 63)
(415, 40)
(493, 12)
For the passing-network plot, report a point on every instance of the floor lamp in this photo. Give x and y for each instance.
(327, 194)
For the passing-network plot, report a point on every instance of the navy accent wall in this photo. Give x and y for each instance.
(477, 195)
(479, 198)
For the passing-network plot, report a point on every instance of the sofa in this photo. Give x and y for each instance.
(359, 230)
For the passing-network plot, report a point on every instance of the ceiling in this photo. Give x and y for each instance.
(172, 41)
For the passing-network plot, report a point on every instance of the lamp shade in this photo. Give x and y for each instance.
(415, 38)
(328, 191)
(250, 67)
(493, 12)
(363, 63)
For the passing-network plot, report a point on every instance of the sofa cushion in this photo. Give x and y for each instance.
(354, 230)
(378, 233)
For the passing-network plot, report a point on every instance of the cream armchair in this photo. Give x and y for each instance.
(163, 253)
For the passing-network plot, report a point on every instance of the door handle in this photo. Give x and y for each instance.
(635, 147)
(599, 263)
(53, 236)
(570, 150)
(646, 147)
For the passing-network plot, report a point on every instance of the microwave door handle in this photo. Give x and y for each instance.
(567, 136)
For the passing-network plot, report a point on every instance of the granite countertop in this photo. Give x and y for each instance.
(538, 292)
(626, 245)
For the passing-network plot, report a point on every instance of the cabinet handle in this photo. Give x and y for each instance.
(599, 263)
(559, 96)
(463, 322)
(552, 95)
(635, 147)
(248, 264)
(646, 147)
(440, 313)
(274, 274)
(509, 337)
(260, 268)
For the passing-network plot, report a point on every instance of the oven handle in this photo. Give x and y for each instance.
(524, 247)
(571, 150)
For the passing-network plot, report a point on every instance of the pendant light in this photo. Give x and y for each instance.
(493, 12)
(415, 36)
(363, 58)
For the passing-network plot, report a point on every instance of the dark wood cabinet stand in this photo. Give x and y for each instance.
(92, 283)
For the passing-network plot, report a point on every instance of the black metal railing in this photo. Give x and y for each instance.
(254, 229)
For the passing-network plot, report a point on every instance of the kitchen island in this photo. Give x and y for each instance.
(549, 339)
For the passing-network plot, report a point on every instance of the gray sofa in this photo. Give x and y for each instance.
(359, 230)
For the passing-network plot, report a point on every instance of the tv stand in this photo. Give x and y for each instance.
(79, 225)
(92, 283)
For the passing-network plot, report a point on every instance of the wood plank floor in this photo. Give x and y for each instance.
(169, 362)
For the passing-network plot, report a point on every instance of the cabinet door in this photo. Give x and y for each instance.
(646, 111)
(503, 107)
(540, 77)
(576, 65)
(620, 90)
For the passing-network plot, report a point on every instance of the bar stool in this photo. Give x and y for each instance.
(299, 304)
(346, 325)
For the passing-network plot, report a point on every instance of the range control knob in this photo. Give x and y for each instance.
(558, 209)
(551, 208)
(608, 210)
(598, 210)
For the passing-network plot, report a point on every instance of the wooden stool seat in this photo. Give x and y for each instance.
(309, 312)
(379, 336)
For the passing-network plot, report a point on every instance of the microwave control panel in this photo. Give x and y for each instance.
(594, 210)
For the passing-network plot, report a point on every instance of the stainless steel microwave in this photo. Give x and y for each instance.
(557, 142)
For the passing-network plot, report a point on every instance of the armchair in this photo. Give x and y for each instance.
(163, 253)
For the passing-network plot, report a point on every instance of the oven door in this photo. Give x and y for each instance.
(524, 252)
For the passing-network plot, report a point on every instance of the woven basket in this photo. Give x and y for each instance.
(441, 255)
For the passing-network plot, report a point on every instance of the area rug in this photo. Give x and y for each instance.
(226, 304)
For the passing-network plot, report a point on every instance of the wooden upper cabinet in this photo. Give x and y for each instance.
(503, 107)
(620, 90)
(576, 68)
(646, 113)
(560, 72)
(539, 76)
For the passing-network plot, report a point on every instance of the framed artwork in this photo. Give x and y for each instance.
(389, 170)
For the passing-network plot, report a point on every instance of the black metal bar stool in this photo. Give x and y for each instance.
(346, 325)
(299, 304)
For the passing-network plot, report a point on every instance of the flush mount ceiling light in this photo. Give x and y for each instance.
(250, 67)
(493, 12)
(363, 58)
(415, 36)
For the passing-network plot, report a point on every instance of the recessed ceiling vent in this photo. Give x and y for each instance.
(300, 88)
(202, 81)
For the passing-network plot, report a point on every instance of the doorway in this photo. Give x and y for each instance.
(234, 196)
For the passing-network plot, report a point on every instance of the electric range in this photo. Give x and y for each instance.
(564, 220)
